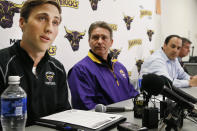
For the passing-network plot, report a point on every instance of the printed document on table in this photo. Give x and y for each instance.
(89, 119)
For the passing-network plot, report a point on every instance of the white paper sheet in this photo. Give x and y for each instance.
(89, 119)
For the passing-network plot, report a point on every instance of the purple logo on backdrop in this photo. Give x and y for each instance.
(94, 4)
(52, 50)
(128, 20)
(69, 3)
(139, 63)
(114, 53)
(74, 38)
(150, 34)
(7, 11)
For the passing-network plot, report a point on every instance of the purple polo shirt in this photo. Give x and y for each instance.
(93, 83)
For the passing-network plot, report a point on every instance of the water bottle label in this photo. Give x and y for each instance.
(13, 107)
(139, 83)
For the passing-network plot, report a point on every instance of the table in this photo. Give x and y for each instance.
(187, 125)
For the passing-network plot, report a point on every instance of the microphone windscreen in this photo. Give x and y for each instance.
(152, 84)
(100, 108)
(167, 81)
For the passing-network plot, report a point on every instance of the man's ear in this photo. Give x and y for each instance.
(112, 41)
(164, 46)
(22, 23)
(89, 42)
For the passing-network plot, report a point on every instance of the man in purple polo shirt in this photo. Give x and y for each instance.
(97, 79)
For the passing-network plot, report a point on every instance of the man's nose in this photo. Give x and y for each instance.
(100, 40)
(176, 50)
(48, 27)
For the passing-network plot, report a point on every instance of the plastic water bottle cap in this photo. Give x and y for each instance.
(14, 80)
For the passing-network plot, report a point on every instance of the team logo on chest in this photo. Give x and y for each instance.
(123, 73)
(50, 78)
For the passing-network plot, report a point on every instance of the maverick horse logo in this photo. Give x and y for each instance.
(74, 38)
(94, 4)
(7, 11)
(114, 53)
(128, 20)
(150, 34)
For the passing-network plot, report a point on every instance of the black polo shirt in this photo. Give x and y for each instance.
(47, 91)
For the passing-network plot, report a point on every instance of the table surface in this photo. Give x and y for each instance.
(187, 125)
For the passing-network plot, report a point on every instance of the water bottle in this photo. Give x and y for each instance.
(13, 106)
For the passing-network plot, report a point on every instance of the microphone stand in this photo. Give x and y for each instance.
(173, 118)
(192, 119)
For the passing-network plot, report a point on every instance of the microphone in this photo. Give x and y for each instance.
(102, 108)
(181, 93)
(155, 85)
